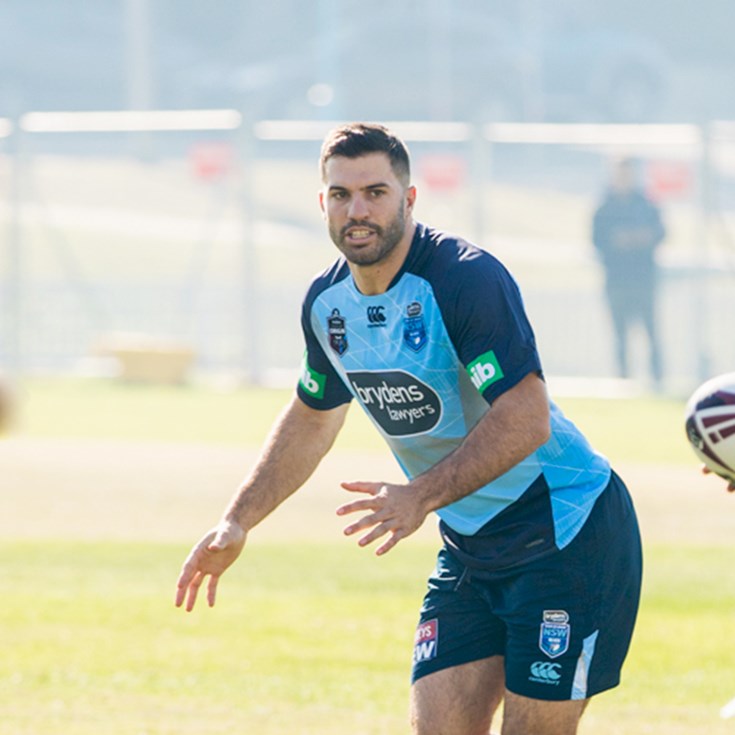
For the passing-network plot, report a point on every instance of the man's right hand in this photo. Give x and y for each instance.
(210, 557)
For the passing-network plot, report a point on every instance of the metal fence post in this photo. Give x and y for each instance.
(251, 361)
(479, 170)
(14, 256)
(701, 298)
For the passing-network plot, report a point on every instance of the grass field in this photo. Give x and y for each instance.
(105, 487)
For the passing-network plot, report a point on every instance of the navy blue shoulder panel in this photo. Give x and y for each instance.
(336, 272)
(480, 303)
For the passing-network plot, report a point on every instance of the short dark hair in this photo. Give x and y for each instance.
(360, 139)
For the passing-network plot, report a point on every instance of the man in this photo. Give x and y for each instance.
(626, 231)
(536, 588)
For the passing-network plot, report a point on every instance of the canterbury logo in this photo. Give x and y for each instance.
(546, 671)
(376, 315)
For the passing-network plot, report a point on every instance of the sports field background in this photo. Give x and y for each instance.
(105, 487)
(205, 240)
(107, 484)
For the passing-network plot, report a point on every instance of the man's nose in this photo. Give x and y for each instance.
(358, 207)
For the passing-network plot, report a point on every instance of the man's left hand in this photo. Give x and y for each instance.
(394, 510)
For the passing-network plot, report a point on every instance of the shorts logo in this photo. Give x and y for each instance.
(555, 633)
(484, 371)
(545, 672)
(414, 328)
(376, 316)
(336, 326)
(426, 641)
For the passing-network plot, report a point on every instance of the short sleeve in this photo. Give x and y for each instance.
(487, 322)
(319, 385)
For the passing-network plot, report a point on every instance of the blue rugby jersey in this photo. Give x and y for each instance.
(426, 360)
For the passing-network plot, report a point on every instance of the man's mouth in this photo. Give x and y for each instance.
(355, 234)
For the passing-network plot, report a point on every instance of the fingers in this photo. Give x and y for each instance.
(380, 522)
(393, 539)
(356, 506)
(372, 488)
(187, 588)
(193, 591)
(185, 580)
(368, 504)
(205, 560)
(396, 534)
(376, 520)
(731, 483)
(212, 589)
(378, 531)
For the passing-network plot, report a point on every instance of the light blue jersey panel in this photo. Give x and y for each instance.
(575, 473)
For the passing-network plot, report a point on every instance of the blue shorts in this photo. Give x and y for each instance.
(563, 622)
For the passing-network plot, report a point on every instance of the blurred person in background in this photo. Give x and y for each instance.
(535, 592)
(626, 231)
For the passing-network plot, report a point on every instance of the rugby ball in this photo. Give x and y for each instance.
(710, 424)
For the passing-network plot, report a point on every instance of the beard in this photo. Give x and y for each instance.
(386, 239)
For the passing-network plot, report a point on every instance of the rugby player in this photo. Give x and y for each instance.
(535, 592)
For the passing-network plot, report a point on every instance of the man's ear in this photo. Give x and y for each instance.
(410, 198)
(321, 202)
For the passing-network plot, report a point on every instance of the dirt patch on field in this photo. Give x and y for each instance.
(171, 492)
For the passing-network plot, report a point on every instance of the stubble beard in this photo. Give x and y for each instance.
(386, 240)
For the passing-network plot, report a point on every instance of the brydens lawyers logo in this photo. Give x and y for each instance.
(485, 370)
(426, 641)
(400, 403)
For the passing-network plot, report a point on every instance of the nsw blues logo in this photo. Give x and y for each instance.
(336, 326)
(414, 328)
(555, 633)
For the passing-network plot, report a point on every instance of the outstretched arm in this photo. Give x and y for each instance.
(515, 426)
(294, 448)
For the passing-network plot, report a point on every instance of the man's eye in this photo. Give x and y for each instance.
(377, 193)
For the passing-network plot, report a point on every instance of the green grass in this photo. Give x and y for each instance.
(307, 638)
(646, 429)
(304, 639)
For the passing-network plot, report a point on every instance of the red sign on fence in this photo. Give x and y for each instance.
(442, 172)
(669, 179)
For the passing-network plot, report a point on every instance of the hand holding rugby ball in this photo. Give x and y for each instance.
(710, 425)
